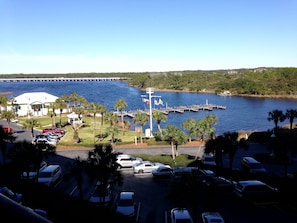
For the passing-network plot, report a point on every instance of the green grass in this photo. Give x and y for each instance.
(86, 133)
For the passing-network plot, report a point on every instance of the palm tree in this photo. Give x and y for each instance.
(175, 136)
(110, 118)
(31, 124)
(113, 130)
(276, 116)
(94, 109)
(60, 104)
(190, 124)
(51, 111)
(140, 118)
(291, 114)
(101, 165)
(211, 120)
(159, 117)
(120, 105)
(3, 102)
(8, 115)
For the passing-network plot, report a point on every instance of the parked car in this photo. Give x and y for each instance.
(212, 217)
(50, 175)
(252, 165)
(125, 160)
(45, 142)
(55, 130)
(218, 184)
(126, 204)
(38, 211)
(7, 129)
(255, 190)
(180, 215)
(162, 172)
(17, 197)
(101, 196)
(31, 172)
(184, 173)
(208, 160)
(146, 167)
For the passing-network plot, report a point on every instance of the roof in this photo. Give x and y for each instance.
(35, 98)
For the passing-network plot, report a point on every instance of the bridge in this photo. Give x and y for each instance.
(175, 109)
(61, 79)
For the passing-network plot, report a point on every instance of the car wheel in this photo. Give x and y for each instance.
(140, 171)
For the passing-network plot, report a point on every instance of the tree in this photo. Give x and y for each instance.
(31, 124)
(190, 124)
(176, 137)
(110, 118)
(211, 120)
(101, 165)
(291, 114)
(120, 105)
(8, 115)
(51, 111)
(276, 116)
(3, 102)
(140, 118)
(113, 130)
(60, 104)
(159, 117)
(94, 109)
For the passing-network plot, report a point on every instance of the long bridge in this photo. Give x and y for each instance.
(61, 79)
(175, 109)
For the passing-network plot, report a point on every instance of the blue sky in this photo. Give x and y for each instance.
(63, 36)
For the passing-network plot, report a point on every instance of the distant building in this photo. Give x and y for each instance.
(33, 104)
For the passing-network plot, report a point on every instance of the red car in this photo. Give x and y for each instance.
(55, 130)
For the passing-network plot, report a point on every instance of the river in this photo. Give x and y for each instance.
(242, 113)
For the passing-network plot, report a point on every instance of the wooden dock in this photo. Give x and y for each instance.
(177, 109)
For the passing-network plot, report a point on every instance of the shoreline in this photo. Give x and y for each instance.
(292, 97)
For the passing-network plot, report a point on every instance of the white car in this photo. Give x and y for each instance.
(212, 217)
(125, 160)
(126, 205)
(146, 167)
(31, 173)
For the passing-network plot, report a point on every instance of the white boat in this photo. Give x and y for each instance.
(225, 93)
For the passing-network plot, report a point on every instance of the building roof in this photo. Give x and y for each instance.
(35, 98)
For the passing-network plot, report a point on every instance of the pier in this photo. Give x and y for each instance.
(175, 109)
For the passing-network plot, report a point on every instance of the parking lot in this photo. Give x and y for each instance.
(156, 197)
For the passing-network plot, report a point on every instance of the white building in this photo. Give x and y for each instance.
(33, 104)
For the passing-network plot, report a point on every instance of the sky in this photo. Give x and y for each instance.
(82, 36)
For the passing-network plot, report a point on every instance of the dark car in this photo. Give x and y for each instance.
(218, 184)
(255, 190)
(10, 194)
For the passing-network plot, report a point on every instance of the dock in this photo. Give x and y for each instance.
(175, 109)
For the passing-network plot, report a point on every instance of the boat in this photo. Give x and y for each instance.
(225, 93)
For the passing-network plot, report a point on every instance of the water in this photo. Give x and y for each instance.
(242, 113)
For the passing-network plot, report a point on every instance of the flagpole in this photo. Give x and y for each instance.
(150, 91)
